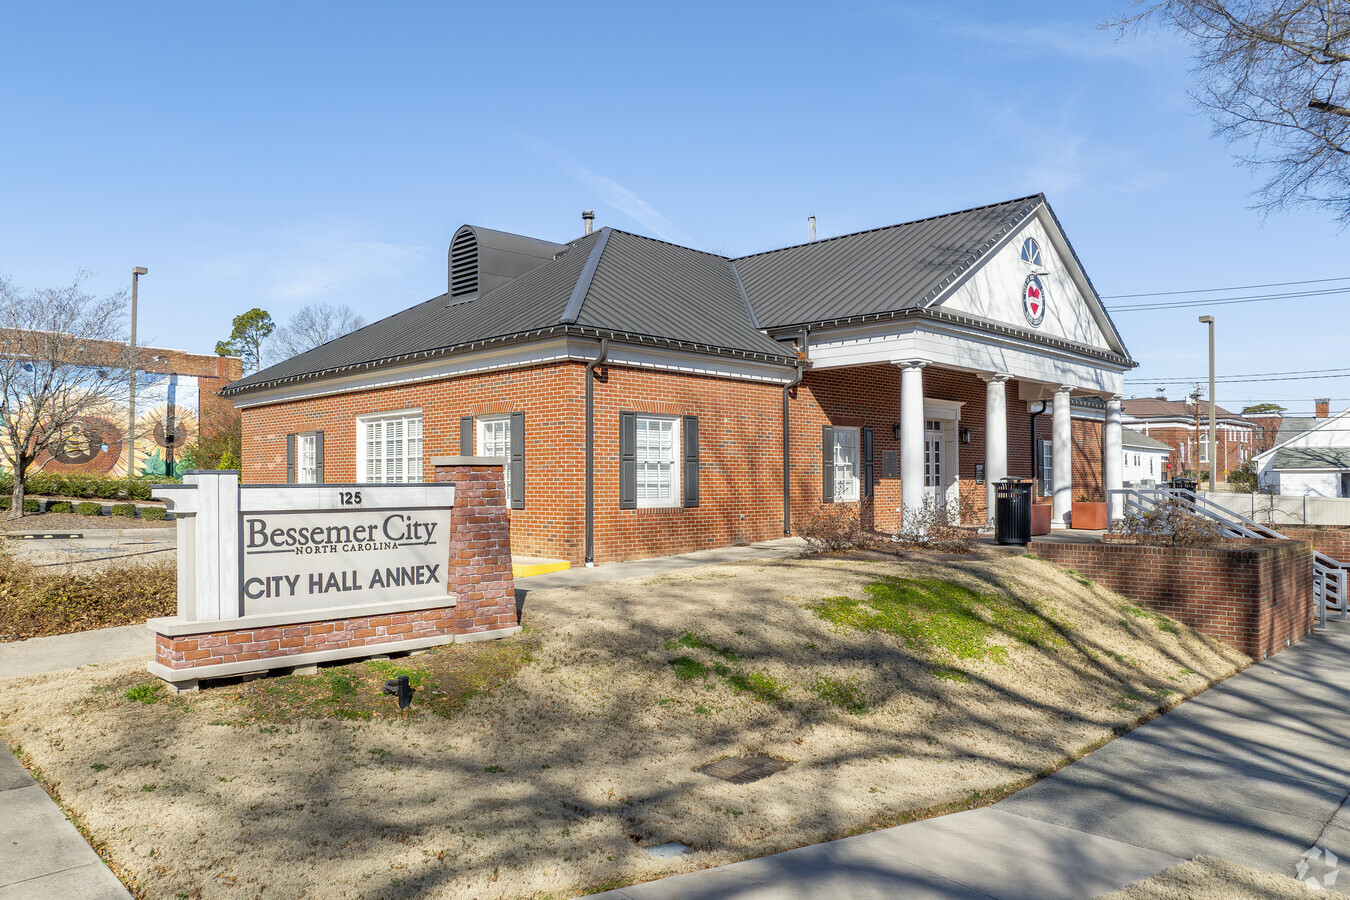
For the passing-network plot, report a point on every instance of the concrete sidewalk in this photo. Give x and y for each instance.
(41, 853)
(1256, 770)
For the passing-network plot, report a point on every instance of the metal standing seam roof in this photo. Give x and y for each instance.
(634, 288)
(882, 270)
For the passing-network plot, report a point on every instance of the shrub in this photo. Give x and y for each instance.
(154, 513)
(125, 510)
(139, 490)
(90, 509)
(109, 488)
(949, 527)
(82, 486)
(834, 527)
(6, 502)
(42, 601)
(31, 506)
(1169, 524)
(60, 506)
(44, 483)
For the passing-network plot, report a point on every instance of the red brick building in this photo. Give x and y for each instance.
(1184, 426)
(650, 398)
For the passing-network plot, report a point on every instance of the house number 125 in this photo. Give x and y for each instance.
(349, 498)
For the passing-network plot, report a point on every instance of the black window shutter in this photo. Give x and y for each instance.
(827, 464)
(627, 460)
(691, 461)
(517, 460)
(318, 456)
(466, 436)
(869, 464)
(290, 459)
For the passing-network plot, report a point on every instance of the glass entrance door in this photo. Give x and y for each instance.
(932, 460)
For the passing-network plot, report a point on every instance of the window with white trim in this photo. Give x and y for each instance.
(845, 464)
(1047, 468)
(494, 439)
(657, 451)
(390, 448)
(307, 459)
(1031, 252)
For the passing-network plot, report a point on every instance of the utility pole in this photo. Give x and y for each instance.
(136, 274)
(1213, 450)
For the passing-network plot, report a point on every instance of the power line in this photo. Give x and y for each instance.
(1228, 301)
(1243, 287)
(1195, 378)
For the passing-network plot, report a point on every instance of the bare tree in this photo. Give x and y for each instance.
(311, 326)
(63, 357)
(1275, 77)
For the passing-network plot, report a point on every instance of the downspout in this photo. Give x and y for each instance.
(590, 449)
(787, 443)
(1035, 453)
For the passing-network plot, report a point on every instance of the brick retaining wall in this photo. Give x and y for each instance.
(1326, 539)
(1255, 598)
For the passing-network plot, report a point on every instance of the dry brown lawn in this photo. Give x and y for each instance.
(1209, 878)
(553, 774)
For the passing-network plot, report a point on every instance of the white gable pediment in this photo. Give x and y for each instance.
(994, 289)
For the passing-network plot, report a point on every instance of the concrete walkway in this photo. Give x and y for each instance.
(1256, 770)
(41, 853)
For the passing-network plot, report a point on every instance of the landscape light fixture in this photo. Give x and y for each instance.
(1213, 451)
(136, 274)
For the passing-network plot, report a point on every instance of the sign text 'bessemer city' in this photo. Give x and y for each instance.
(291, 554)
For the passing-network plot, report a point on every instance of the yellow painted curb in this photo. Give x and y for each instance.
(525, 570)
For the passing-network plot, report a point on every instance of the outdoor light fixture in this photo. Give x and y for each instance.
(401, 688)
(965, 435)
(895, 429)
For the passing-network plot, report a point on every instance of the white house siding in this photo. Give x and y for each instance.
(1138, 472)
(1310, 484)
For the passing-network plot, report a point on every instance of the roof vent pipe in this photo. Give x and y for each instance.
(588, 219)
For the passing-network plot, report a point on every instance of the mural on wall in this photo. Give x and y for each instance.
(166, 424)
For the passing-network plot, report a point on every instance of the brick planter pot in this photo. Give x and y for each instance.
(1255, 596)
(1089, 515)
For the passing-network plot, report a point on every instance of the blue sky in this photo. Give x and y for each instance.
(283, 154)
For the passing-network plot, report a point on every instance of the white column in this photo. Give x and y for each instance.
(1061, 460)
(1113, 463)
(995, 434)
(911, 437)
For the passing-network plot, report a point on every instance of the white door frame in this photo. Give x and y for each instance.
(948, 412)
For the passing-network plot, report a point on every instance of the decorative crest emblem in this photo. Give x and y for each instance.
(1033, 300)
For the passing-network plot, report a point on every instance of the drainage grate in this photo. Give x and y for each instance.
(744, 769)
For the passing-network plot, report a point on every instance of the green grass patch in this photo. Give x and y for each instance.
(145, 692)
(759, 685)
(846, 693)
(1161, 622)
(444, 680)
(943, 619)
(688, 669)
(690, 641)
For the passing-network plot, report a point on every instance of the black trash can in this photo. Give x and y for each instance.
(1186, 484)
(1012, 511)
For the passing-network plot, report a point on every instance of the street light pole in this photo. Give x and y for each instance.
(1213, 451)
(136, 274)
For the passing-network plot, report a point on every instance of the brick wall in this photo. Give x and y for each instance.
(480, 550)
(740, 441)
(1328, 540)
(1231, 450)
(1256, 598)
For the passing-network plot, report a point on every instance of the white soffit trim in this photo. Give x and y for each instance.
(950, 345)
(516, 357)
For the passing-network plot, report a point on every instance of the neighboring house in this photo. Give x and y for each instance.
(1145, 458)
(650, 398)
(1184, 427)
(1311, 456)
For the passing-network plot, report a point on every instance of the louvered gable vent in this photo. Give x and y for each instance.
(464, 263)
(481, 260)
